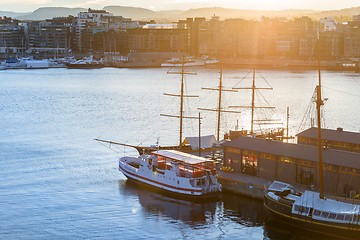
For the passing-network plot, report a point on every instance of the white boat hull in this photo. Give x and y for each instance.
(167, 179)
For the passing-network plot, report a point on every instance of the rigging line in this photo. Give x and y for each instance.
(105, 145)
(242, 79)
(351, 94)
(272, 110)
(307, 112)
(264, 79)
(262, 96)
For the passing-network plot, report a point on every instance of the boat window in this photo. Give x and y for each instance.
(301, 209)
(332, 215)
(340, 217)
(316, 213)
(192, 182)
(324, 214)
(297, 208)
(347, 217)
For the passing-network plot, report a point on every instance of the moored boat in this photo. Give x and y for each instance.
(176, 173)
(86, 63)
(189, 62)
(309, 211)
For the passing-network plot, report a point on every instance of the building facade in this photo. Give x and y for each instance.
(335, 139)
(296, 164)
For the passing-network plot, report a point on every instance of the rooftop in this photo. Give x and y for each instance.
(338, 135)
(298, 151)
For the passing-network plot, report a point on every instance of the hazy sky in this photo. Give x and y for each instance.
(30, 5)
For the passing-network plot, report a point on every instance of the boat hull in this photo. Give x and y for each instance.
(282, 212)
(84, 66)
(165, 189)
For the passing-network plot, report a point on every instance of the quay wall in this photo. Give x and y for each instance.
(243, 185)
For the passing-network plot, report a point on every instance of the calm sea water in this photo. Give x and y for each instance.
(58, 183)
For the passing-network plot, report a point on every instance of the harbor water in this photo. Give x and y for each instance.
(58, 183)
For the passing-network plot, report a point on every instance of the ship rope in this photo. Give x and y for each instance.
(242, 79)
(309, 117)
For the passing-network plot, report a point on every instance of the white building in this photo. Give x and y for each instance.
(97, 17)
(327, 24)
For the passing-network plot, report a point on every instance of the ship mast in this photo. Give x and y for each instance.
(252, 104)
(182, 96)
(319, 103)
(219, 109)
(219, 104)
(253, 107)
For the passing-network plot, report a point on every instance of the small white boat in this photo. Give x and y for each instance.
(189, 62)
(173, 172)
(86, 63)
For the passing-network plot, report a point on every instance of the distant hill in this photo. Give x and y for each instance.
(51, 12)
(225, 13)
(173, 15)
(12, 14)
(341, 15)
(132, 12)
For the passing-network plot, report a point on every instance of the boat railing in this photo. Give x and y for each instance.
(128, 166)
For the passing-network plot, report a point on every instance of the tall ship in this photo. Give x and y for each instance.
(312, 210)
(170, 169)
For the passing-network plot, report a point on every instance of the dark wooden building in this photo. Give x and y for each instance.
(296, 164)
(335, 139)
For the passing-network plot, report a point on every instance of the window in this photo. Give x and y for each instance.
(286, 160)
(316, 213)
(348, 218)
(249, 164)
(305, 175)
(324, 214)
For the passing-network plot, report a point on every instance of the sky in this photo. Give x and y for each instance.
(31, 5)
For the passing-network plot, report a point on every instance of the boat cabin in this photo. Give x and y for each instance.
(184, 164)
(310, 204)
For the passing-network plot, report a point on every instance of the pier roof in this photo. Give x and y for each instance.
(338, 135)
(298, 151)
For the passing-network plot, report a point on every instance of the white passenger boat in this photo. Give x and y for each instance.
(173, 172)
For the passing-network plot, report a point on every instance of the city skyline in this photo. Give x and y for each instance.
(158, 5)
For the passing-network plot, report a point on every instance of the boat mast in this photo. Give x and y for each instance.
(319, 103)
(219, 109)
(253, 107)
(182, 96)
(181, 101)
(219, 105)
(199, 135)
(287, 124)
(252, 104)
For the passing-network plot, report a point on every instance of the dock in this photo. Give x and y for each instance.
(242, 184)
